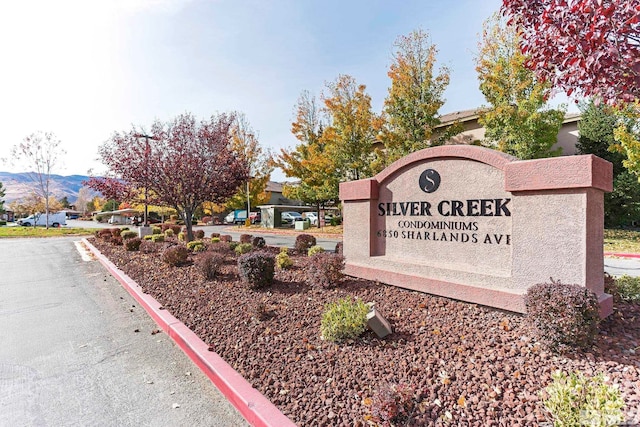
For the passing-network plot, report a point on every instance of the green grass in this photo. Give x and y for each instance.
(625, 241)
(43, 232)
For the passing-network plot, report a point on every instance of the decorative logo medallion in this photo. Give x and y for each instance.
(429, 181)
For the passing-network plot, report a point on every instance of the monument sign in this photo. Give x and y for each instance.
(478, 225)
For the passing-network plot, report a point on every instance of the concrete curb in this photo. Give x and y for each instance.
(252, 405)
(621, 255)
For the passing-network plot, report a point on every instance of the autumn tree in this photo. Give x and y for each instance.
(2, 194)
(33, 202)
(187, 162)
(309, 161)
(517, 121)
(84, 196)
(350, 135)
(245, 144)
(415, 96)
(39, 153)
(588, 46)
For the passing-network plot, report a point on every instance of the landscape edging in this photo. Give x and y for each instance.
(252, 405)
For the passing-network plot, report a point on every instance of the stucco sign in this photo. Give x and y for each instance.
(477, 225)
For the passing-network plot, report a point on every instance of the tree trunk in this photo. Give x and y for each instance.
(187, 223)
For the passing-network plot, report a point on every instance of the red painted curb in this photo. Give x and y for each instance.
(622, 255)
(252, 405)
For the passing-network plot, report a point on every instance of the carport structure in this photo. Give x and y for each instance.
(272, 214)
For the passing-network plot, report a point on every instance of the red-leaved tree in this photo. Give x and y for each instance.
(591, 47)
(182, 163)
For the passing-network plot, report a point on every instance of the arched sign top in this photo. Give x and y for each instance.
(470, 152)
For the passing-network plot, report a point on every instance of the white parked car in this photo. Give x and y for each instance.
(312, 217)
(55, 219)
(291, 217)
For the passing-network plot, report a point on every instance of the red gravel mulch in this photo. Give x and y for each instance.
(468, 365)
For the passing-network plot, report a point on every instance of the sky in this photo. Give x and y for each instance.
(84, 69)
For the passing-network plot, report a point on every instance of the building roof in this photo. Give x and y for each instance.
(467, 115)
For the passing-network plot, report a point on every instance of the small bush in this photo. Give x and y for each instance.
(149, 247)
(116, 241)
(104, 233)
(243, 248)
(577, 400)
(304, 242)
(148, 237)
(564, 315)
(181, 236)
(258, 242)
(175, 228)
(132, 244)
(339, 248)
(315, 250)
(344, 319)
(335, 221)
(256, 269)
(246, 238)
(628, 288)
(156, 230)
(219, 247)
(206, 220)
(325, 270)
(215, 235)
(115, 232)
(157, 238)
(128, 234)
(226, 238)
(196, 246)
(283, 260)
(393, 404)
(168, 233)
(215, 240)
(209, 264)
(3, 222)
(233, 245)
(199, 234)
(176, 255)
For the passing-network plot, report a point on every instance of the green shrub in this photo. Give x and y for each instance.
(132, 244)
(304, 242)
(209, 264)
(176, 255)
(283, 260)
(233, 245)
(3, 222)
(156, 230)
(256, 269)
(258, 242)
(564, 315)
(628, 288)
(335, 221)
(215, 240)
(128, 234)
(344, 319)
(339, 248)
(157, 238)
(148, 237)
(246, 238)
(199, 234)
(577, 400)
(325, 270)
(169, 233)
(315, 250)
(196, 246)
(243, 248)
(181, 236)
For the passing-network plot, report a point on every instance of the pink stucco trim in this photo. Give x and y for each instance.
(250, 403)
(622, 255)
(470, 152)
(556, 173)
(494, 298)
(364, 189)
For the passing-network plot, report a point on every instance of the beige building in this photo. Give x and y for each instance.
(473, 131)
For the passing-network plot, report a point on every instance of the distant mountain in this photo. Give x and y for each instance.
(19, 185)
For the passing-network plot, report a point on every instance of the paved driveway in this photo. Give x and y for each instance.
(76, 350)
